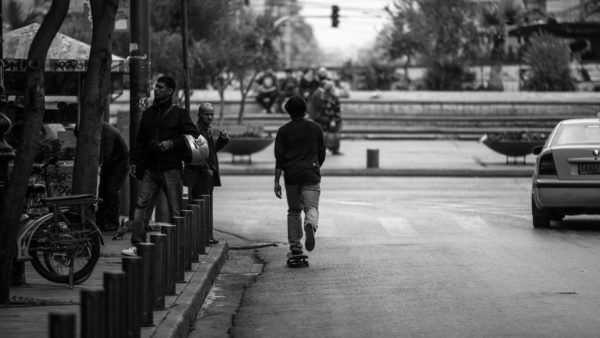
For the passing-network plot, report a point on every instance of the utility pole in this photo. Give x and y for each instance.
(139, 78)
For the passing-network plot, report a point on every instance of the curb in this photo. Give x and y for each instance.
(525, 172)
(186, 305)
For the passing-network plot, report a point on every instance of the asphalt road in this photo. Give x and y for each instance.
(433, 257)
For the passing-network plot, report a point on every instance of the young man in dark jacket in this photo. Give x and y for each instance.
(299, 154)
(158, 154)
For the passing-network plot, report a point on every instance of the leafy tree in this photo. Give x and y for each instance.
(400, 39)
(203, 16)
(213, 59)
(254, 52)
(548, 58)
(449, 30)
(443, 32)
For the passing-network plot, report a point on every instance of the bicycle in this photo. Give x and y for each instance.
(58, 233)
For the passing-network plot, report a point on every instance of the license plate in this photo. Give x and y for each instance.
(589, 168)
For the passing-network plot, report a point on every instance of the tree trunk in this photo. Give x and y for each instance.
(244, 90)
(10, 208)
(95, 97)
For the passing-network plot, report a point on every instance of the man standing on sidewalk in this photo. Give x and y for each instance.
(158, 154)
(299, 154)
(201, 179)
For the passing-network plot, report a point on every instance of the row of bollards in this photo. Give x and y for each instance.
(128, 298)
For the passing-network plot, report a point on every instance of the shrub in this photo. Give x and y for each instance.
(548, 58)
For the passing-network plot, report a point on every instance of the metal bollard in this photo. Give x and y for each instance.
(179, 231)
(201, 240)
(93, 313)
(114, 288)
(187, 239)
(170, 257)
(207, 225)
(372, 158)
(184, 203)
(195, 231)
(160, 263)
(133, 292)
(147, 273)
(61, 325)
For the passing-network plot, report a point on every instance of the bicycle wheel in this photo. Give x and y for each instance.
(54, 247)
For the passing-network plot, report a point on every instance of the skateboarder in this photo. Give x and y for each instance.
(299, 154)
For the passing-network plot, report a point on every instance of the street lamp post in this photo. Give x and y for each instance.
(139, 66)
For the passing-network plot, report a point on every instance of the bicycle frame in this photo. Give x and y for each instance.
(28, 227)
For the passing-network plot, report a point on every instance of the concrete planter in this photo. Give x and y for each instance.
(246, 146)
(511, 148)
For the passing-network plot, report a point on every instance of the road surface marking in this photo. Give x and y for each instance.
(397, 226)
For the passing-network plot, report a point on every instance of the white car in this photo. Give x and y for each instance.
(566, 179)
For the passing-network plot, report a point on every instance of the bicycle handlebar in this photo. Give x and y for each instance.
(38, 169)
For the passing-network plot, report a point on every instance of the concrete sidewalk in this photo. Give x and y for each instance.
(448, 158)
(27, 316)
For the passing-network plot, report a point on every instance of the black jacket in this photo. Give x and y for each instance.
(300, 151)
(162, 122)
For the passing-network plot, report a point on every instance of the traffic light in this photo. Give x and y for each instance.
(335, 16)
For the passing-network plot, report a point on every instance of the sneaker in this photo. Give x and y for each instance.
(129, 252)
(294, 252)
(310, 236)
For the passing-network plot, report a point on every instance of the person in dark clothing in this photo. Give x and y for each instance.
(114, 159)
(267, 91)
(158, 154)
(308, 84)
(299, 155)
(288, 87)
(202, 178)
(325, 109)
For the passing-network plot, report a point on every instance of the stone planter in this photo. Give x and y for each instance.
(245, 147)
(511, 148)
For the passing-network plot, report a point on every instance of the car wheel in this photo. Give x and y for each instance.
(541, 218)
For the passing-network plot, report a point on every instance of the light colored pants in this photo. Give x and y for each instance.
(170, 182)
(299, 198)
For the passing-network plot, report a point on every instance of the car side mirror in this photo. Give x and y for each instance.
(537, 150)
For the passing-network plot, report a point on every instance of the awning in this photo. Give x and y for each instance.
(65, 54)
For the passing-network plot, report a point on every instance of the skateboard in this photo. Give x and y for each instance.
(296, 261)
